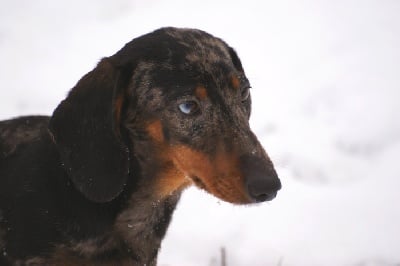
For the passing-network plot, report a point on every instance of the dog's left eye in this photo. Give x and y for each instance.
(189, 107)
(245, 93)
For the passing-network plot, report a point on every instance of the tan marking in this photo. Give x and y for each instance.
(201, 92)
(182, 166)
(118, 102)
(170, 180)
(155, 131)
(220, 176)
(235, 82)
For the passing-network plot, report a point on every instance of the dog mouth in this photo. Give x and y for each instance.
(197, 181)
(222, 190)
(240, 180)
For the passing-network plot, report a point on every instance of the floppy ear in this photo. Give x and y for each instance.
(235, 59)
(86, 129)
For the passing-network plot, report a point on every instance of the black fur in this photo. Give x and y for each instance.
(97, 182)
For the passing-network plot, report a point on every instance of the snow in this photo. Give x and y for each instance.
(326, 90)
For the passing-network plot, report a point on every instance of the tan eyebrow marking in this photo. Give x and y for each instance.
(235, 82)
(201, 92)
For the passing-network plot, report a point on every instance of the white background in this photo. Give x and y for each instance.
(326, 93)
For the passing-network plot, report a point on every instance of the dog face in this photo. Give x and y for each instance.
(177, 101)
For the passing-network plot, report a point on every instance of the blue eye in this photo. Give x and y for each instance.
(189, 107)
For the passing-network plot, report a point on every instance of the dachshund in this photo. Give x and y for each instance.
(97, 182)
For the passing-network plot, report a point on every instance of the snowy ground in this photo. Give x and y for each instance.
(326, 79)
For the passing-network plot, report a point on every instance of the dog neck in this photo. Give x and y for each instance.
(135, 238)
(143, 224)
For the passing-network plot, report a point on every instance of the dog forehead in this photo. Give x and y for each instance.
(178, 60)
(200, 47)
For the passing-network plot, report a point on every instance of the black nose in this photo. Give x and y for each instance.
(263, 189)
(261, 179)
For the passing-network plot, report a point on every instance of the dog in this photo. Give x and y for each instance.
(97, 182)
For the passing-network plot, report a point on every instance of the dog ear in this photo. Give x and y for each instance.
(86, 129)
(235, 59)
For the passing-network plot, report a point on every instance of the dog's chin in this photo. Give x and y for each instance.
(234, 196)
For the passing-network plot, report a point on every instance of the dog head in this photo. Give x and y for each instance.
(176, 101)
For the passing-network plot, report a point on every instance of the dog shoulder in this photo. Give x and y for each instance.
(20, 131)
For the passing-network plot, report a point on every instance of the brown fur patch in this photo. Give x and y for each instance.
(220, 176)
(171, 179)
(118, 102)
(201, 92)
(181, 166)
(235, 82)
(155, 131)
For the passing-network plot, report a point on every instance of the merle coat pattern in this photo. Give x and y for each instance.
(97, 182)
